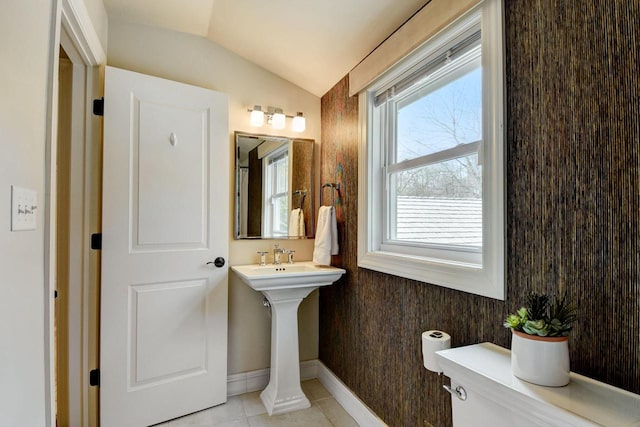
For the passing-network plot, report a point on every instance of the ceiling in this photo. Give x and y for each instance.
(312, 44)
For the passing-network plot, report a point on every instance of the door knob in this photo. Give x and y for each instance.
(219, 262)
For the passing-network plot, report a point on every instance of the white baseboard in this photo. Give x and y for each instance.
(247, 382)
(348, 399)
(309, 369)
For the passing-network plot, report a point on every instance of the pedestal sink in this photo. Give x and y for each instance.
(285, 286)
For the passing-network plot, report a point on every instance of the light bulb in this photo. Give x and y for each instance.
(278, 120)
(299, 123)
(257, 116)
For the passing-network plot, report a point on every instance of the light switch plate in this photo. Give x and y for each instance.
(24, 203)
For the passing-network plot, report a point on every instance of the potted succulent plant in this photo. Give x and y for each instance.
(540, 344)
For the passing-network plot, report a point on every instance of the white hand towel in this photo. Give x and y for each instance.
(326, 243)
(296, 223)
(334, 232)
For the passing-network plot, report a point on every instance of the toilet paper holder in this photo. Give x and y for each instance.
(432, 341)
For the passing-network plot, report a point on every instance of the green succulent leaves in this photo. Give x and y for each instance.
(544, 316)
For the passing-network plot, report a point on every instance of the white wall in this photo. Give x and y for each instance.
(198, 61)
(24, 54)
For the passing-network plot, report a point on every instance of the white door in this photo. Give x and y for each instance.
(165, 221)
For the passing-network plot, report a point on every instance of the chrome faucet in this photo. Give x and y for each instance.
(290, 256)
(277, 253)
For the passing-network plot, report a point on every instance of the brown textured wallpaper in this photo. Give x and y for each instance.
(573, 212)
(254, 205)
(302, 179)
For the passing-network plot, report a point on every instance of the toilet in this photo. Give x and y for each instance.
(484, 392)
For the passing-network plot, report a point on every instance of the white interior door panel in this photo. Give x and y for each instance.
(165, 219)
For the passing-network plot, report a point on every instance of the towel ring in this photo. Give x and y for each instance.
(335, 186)
(302, 194)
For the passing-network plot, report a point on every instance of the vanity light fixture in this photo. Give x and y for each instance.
(257, 116)
(276, 118)
(299, 123)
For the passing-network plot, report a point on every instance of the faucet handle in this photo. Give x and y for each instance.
(263, 257)
(290, 253)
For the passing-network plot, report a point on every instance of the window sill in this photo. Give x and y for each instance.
(460, 276)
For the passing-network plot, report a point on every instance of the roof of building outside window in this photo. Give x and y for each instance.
(440, 220)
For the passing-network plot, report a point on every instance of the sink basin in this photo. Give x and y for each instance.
(285, 286)
(298, 275)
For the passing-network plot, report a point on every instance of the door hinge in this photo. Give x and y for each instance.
(98, 107)
(55, 294)
(96, 241)
(94, 377)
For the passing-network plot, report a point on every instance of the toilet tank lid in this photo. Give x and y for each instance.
(584, 401)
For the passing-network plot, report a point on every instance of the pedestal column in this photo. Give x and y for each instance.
(284, 394)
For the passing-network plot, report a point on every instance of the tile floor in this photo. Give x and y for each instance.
(247, 410)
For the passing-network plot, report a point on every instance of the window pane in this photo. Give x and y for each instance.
(280, 216)
(436, 119)
(277, 194)
(440, 203)
(282, 174)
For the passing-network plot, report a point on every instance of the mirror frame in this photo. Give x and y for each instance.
(309, 209)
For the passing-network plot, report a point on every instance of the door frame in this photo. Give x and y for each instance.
(71, 28)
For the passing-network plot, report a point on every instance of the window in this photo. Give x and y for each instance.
(276, 197)
(432, 173)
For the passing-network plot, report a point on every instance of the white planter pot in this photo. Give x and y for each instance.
(540, 360)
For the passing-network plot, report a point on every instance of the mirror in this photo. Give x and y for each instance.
(274, 187)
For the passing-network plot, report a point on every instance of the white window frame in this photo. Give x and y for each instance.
(481, 275)
(270, 197)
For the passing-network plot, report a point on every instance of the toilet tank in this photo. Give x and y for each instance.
(495, 398)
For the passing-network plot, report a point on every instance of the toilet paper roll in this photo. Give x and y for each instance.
(433, 341)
